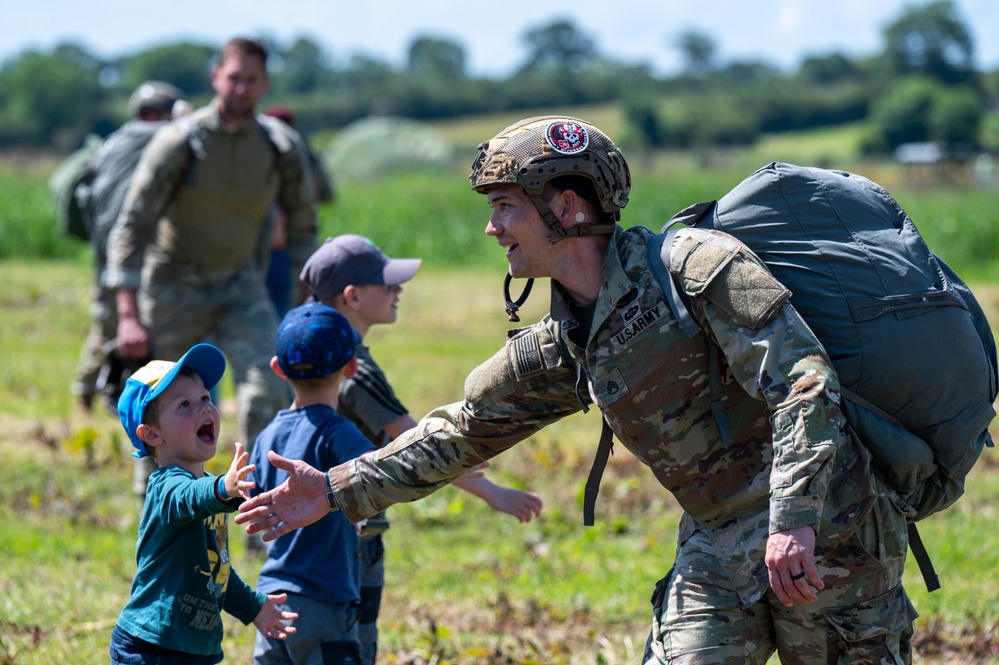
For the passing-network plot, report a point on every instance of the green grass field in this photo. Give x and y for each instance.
(465, 585)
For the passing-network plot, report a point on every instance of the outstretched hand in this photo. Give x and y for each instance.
(236, 478)
(272, 622)
(297, 502)
(523, 505)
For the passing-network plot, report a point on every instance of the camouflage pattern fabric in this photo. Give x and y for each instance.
(113, 165)
(185, 304)
(698, 619)
(790, 463)
(209, 208)
(188, 240)
(103, 328)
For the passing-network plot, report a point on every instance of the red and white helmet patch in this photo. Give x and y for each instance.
(567, 137)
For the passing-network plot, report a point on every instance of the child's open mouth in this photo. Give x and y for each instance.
(206, 433)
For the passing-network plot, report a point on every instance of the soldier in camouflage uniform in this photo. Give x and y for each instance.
(184, 253)
(150, 107)
(788, 542)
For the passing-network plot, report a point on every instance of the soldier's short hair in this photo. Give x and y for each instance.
(243, 46)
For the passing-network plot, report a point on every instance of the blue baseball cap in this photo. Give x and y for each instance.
(314, 341)
(149, 381)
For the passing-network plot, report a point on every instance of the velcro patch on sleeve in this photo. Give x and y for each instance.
(747, 292)
(525, 355)
(698, 256)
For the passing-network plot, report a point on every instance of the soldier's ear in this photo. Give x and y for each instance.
(572, 211)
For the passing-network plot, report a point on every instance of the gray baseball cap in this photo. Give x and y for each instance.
(353, 259)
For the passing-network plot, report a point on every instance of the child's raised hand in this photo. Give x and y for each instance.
(236, 478)
(273, 622)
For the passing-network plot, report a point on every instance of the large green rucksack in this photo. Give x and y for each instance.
(913, 350)
(68, 186)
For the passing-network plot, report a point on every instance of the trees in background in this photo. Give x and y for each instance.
(52, 98)
(923, 86)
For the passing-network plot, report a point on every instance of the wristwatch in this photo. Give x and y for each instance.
(330, 497)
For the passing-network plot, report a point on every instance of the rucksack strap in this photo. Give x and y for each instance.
(922, 558)
(658, 262)
(657, 257)
(604, 449)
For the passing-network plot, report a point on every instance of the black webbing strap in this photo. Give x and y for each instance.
(604, 450)
(922, 558)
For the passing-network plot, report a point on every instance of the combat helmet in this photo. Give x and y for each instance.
(155, 96)
(532, 152)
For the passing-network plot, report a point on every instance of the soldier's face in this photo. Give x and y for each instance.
(517, 226)
(239, 81)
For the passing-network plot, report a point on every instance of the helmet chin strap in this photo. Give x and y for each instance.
(558, 232)
(513, 305)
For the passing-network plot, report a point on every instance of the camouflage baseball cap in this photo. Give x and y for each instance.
(314, 341)
(352, 259)
(155, 96)
(533, 151)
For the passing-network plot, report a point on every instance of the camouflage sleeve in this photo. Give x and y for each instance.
(521, 389)
(157, 176)
(776, 358)
(297, 198)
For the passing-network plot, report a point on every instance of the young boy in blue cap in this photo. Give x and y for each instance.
(318, 567)
(185, 578)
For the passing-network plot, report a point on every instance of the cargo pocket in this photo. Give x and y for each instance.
(878, 630)
(655, 651)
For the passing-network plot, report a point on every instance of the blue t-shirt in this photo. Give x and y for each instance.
(322, 560)
(184, 578)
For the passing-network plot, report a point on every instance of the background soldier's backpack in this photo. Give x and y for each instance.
(69, 187)
(913, 350)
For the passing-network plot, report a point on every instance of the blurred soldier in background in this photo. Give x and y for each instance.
(153, 103)
(184, 255)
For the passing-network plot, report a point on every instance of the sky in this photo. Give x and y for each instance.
(780, 32)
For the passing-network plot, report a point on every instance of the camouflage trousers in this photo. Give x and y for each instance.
(183, 305)
(862, 616)
(103, 328)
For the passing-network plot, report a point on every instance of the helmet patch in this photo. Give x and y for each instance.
(567, 137)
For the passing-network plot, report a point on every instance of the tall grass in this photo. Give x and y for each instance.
(434, 214)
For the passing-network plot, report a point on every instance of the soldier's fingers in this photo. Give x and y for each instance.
(798, 585)
(813, 576)
(780, 583)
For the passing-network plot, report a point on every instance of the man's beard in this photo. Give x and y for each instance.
(239, 113)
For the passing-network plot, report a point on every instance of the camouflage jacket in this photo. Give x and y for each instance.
(789, 464)
(113, 165)
(200, 196)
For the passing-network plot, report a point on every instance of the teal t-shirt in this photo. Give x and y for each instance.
(185, 578)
